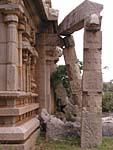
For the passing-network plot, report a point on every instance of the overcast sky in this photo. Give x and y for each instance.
(66, 6)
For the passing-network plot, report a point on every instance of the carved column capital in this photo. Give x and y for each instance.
(53, 54)
(69, 41)
(11, 18)
(92, 22)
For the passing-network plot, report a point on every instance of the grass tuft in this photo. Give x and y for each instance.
(71, 144)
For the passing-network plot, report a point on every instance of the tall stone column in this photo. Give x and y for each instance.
(48, 90)
(73, 72)
(91, 127)
(52, 56)
(48, 56)
(41, 70)
(52, 69)
(12, 52)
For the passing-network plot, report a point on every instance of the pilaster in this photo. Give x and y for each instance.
(12, 52)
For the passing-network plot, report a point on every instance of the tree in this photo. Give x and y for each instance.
(60, 76)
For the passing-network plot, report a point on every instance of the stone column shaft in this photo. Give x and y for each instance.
(12, 52)
(48, 92)
(41, 71)
(73, 72)
(91, 127)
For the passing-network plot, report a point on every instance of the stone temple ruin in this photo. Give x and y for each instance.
(28, 55)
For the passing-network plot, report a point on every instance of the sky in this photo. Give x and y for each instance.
(66, 6)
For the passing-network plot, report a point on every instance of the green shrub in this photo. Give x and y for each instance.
(107, 102)
(61, 76)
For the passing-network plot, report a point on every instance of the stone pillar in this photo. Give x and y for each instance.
(12, 52)
(48, 90)
(48, 56)
(73, 73)
(21, 28)
(41, 70)
(91, 127)
(52, 69)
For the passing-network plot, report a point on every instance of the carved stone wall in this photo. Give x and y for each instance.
(18, 98)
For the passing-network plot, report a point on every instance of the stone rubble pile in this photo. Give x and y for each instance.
(56, 129)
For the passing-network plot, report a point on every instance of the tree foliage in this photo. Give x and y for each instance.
(80, 63)
(107, 102)
(60, 76)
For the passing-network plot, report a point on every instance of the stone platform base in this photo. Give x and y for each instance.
(27, 145)
(28, 135)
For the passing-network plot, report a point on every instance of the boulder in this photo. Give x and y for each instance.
(57, 129)
(107, 126)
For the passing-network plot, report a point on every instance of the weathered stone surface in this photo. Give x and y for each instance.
(20, 21)
(18, 111)
(69, 41)
(19, 133)
(52, 14)
(95, 55)
(56, 129)
(3, 31)
(107, 126)
(73, 72)
(91, 135)
(50, 40)
(92, 22)
(3, 53)
(91, 125)
(92, 102)
(92, 81)
(75, 20)
(12, 78)
(12, 53)
(93, 40)
(3, 77)
(41, 73)
(27, 145)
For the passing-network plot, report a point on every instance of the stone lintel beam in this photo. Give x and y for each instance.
(50, 40)
(75, 20)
